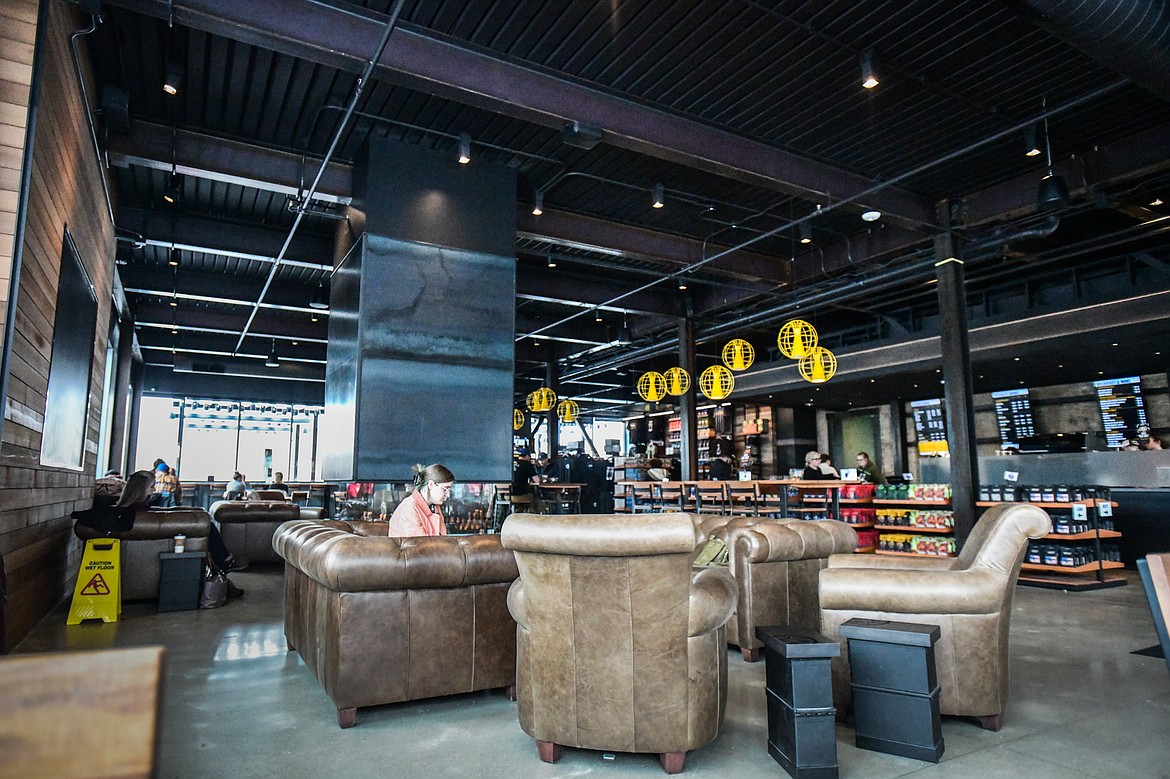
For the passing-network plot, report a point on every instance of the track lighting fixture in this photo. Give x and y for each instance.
(313, 317)
(659, 196)
(171, 195)
(806, 232)
(597, 315)
(464, 148)
(174, 300)
(176, 256)
(273, 360)
(623, 336)
(538, 204)
(174, 79)
(1032, 140)
(319, 298)
(552, 263)
(871, 215)
(869, 78)
(682, 283)
(1053, 192)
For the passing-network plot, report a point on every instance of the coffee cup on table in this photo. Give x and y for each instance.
(180, 543)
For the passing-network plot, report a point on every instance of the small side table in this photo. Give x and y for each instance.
(895, 687)
(802, 734)
(180, 576)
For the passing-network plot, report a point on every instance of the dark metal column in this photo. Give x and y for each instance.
(956, 367)
(553, 382)
(119, 424)
(688, 443)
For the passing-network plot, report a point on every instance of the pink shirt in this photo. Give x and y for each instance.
(414, 517)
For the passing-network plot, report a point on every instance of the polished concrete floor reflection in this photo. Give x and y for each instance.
(236, 704)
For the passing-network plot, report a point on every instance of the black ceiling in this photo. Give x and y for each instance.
(750, 115)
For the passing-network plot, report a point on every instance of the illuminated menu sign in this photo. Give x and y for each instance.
(1013, 416)
(1123, 410)
(930, 424)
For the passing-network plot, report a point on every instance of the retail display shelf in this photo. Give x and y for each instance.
(909, 529)
(861, 525)
(865, 550)
(913, 554)
(1086, 568)
(987, 503)
(1087, 535)
(1071, 584)
(909, 502)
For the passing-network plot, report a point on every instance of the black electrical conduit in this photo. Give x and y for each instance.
(357, 93)
(1014, 129)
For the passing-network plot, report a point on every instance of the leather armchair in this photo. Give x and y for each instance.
(154, 532)
(776, 565)
(620, 643)
(969, 597)
(381, 620)
(247, 526)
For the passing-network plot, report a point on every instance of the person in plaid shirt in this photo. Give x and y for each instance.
(167, 491)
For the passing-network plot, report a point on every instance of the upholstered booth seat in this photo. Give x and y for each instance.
(247, 526)
(382, 620)
(776, 564)
(969, 597)
(620, 642)
(154, 532)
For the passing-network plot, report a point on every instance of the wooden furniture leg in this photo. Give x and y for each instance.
(672, 762)
(510, 692)
(347, 718)
(750, 655)
(992, 723)
(548, 751)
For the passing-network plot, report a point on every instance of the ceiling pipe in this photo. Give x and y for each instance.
(308, 196)
(1131, 37)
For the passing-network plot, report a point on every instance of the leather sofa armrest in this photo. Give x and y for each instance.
(518, 604)
(872, 561)
(713, 599)
(904, 591)
(767, 541)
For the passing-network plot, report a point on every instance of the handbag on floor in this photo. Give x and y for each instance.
(213, 591)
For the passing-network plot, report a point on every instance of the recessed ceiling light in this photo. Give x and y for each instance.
(1017, 359)
(1115, 344)
(871, 216)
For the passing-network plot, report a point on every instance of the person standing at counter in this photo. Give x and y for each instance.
(421, 513)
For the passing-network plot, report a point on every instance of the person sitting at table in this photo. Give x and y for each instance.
(237, 488)
(657, 471)
(719, 469)
(812, 467)
(827, 469)
(421, 514)
(279, 484)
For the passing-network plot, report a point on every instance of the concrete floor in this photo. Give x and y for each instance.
(237, 704)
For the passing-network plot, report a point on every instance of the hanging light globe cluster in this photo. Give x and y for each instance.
(798, 340)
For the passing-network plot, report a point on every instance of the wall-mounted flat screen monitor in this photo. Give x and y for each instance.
(1123, 409)
(1013, 416)
(930, 426)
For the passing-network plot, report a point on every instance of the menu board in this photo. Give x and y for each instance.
(1123, 410)
(930, 425)
(1013, 416)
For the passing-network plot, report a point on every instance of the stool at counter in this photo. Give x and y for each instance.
(801, 718)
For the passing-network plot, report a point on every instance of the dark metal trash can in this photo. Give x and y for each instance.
(802, 734)
(895, 688)
(180, 577)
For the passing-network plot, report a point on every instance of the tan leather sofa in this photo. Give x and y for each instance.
(620, 642)
(247, 526)
(154, 532)
(776, 564)
(969, 597)
(382, 620)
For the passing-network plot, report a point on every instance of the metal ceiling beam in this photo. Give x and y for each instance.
(163, 281)
(231, 162)
(269, 322)
(195, 231)
(591, 233)
(425, 61)
(569, 290)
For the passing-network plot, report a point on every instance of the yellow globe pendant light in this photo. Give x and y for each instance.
(567, 411)
(738, 354)
(542, 399)
(652, 386)
(796, 339)
(517, 419)
(818, 366)
(678, 381)
(716, 382)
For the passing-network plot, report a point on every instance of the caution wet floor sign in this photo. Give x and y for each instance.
(98, 592)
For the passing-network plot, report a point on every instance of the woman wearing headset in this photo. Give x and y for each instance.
(421, 513)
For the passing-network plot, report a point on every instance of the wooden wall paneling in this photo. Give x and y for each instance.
(36, 538)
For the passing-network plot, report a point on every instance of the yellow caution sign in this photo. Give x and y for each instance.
(98, 594)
